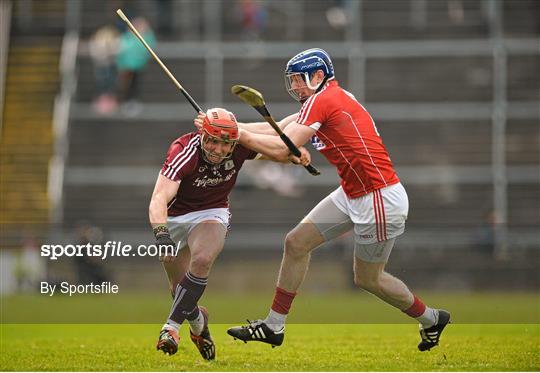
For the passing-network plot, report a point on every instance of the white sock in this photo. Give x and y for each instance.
(171, 325)
(429, 318)
(275, 320)
(197, 325)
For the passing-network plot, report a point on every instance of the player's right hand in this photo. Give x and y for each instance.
(166, 248)
(198, 121)
(304, 159)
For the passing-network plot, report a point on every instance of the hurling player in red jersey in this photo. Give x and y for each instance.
(189, 210)
(370, 200)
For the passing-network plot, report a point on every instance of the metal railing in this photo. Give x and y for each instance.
(5, 24)
(62, 108)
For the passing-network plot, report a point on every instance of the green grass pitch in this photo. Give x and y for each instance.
(307, 347)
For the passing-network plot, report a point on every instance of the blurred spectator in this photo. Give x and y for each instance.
(336, 15)
(31, 266)
(456, 12)
(89, 268)
(485, 237)
(254, 17)
(103, 48)
(280, 178)
(131, 61)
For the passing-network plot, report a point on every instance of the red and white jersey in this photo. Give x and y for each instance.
(202, 185)
(346, 135)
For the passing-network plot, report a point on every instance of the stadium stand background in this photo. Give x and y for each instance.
(454, 87)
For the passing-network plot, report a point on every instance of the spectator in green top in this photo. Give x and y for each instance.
(131, 61)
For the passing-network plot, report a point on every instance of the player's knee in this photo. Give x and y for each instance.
(202, 262)
(295, 245)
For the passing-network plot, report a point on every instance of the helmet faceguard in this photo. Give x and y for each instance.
(219, 125)
(305, 78)
(303, 66)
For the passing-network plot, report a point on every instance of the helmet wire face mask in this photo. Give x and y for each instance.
(219, 126)
(302, 67)
(295, 83)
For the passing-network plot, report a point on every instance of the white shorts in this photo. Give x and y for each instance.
(377, 252)
(376, 217)
(180, 226)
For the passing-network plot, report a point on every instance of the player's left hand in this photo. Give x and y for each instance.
(166, 248)
(198, 121)
(304, 159)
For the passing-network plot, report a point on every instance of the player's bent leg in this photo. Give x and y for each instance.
(296, 255)
(205, 242)
(371, 276)
(298, 245)
(168, 337)
(176, 269)
(324, 222)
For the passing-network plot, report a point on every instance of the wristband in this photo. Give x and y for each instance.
(161, 230)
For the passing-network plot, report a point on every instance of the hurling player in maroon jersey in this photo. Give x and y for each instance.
(189, 210)
(370, 200)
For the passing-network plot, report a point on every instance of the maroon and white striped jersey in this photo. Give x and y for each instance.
(202, 185)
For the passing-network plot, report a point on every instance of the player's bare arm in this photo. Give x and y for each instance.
(264, 129)
(304, 159)
(256, 127)
(272, 146)
(164, 191)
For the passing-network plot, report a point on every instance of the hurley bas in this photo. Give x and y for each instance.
(71, 289)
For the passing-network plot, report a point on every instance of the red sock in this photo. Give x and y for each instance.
(282, 301)
(417, 309)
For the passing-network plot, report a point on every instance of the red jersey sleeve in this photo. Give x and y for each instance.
(181, 157)
(313, 112)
